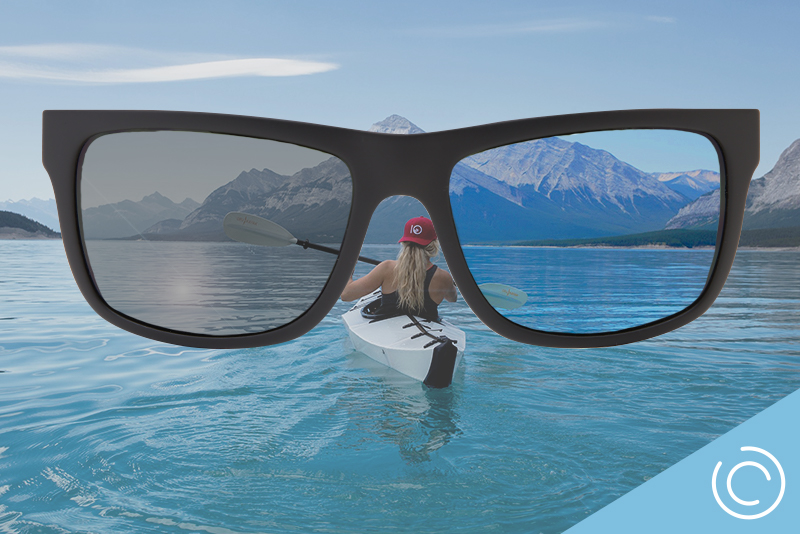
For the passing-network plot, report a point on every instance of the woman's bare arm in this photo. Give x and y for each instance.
(451, 295)
(355, 289)
(443, 285)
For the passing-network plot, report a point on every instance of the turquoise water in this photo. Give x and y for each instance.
(583, 290)
(102, 431)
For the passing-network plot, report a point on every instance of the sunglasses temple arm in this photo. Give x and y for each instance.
(306, 244)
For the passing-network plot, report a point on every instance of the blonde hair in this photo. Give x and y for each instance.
(411, 267)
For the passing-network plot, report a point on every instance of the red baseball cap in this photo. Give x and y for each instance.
(419, 230)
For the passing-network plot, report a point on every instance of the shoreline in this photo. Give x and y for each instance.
(770, 249)
(15, 234)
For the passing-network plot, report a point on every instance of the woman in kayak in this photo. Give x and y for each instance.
(411, 284)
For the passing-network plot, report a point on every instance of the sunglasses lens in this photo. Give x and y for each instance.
(152, 208)
(603, 231)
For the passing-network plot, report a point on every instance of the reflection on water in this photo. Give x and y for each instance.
(102, 431)
(419, 420)
(208, 288)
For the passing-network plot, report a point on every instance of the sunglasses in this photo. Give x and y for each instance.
(572, 231)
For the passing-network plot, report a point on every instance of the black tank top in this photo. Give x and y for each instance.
(390, 302)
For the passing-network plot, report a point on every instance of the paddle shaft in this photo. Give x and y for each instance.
(306, 244)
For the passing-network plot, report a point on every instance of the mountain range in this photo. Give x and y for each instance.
(543, 189)
(560, 189)
(692, 184)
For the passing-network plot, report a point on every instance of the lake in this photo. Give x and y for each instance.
(107, 432)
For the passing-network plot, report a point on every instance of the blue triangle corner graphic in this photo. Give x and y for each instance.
(745, 481)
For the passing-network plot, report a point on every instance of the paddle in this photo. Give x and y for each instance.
(255, 230)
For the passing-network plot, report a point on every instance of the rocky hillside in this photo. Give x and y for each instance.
(773, 201)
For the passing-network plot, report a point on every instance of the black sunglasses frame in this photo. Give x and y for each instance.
(385, 165)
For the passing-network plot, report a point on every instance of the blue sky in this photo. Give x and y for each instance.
(442, 65)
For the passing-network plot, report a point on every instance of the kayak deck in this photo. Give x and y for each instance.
(403, 343)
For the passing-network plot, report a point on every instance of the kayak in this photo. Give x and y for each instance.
(428, 351)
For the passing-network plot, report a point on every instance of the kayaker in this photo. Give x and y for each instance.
(412, 283)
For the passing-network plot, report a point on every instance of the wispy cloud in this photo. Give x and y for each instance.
(102, 64)
(515, 28)
(663, 20)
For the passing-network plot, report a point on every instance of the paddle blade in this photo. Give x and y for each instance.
(503, 296)
(256, 230)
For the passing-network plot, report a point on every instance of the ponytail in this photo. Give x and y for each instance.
(411, 266)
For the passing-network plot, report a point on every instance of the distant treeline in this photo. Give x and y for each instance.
(668, 238)
(772, 237)
(15, 220)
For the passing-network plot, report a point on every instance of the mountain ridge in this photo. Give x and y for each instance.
(127, 217)
(773, 200)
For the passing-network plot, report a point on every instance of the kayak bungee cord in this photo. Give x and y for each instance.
(426, 332)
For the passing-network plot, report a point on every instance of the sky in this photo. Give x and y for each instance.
(442, 65)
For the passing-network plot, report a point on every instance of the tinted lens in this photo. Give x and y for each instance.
(152, 207)
(603, 231)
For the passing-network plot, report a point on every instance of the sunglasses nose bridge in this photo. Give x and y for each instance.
(404, 165)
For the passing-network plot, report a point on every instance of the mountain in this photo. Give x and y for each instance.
(487, 210)
(16, 226)
(773, 201)
(313, 203)
(568, 190)
(395, 124)
(127, 218)
(44, 211)
(691, 184)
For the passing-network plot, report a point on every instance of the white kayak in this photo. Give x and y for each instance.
(428, 351)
